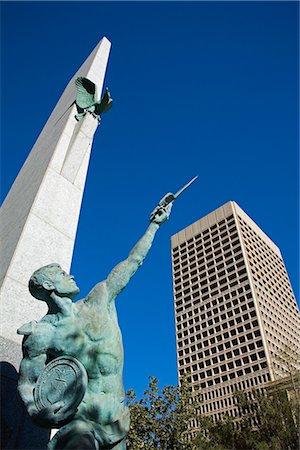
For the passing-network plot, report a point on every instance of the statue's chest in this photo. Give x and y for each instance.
(87, 331)
(94, 339)
(100, 322)
(68, 337)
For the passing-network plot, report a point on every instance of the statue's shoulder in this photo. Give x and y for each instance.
(97, 294)
(35, 327)
(27, 328)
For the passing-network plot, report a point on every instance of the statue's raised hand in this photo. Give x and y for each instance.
(163, 210)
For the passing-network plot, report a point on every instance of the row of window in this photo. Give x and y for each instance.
(207, 294)
(182, 292)
(221, 354)
(207, 256)
(200, 272)
(273, 291)
(216, 280)
(217, 328)
(211, 266)
(218, 316)
(266, 264)
(212, 286)
(218, 404)
(197, 241)
(216, 287)
(230, 389)
(216, 399)
(283, 308)
(267, 303)
(259, 245)
(219, 227)
(278, 341)
(224, 345)
(206, 371)
(217, 337)
(214, 357)
(209, 247)
(230, 299)
(271, 288)
(226, 377)
(282, 328)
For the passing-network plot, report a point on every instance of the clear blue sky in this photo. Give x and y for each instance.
(206, 88)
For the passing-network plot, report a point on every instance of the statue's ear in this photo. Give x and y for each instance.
(48, 285)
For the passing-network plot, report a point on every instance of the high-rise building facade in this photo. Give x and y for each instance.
(235, 312)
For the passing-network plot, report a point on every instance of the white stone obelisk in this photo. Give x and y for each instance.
(38, 222)
(38, 219)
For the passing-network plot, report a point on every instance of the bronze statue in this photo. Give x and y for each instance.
(87, 331)
(71, 372)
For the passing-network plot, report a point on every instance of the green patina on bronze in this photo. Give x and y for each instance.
(63, 378)
(86, 99)
(71, 371)
(87, 331)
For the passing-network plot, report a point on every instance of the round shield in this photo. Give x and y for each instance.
(63, 379)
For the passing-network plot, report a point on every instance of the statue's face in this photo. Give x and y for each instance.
(64, 284)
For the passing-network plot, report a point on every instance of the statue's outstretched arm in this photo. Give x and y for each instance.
(121, 274)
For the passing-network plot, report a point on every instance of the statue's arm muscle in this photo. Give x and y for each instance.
(121, 274)
(31, 367)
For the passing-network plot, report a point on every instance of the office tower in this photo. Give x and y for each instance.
(235, 310)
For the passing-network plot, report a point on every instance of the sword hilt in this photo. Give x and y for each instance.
(169, 198)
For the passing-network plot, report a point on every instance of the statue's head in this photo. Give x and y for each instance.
(52, 278)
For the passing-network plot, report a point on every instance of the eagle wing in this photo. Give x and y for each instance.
(105, 104)
(86, 92)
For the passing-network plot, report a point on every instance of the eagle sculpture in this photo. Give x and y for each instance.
(86, 99)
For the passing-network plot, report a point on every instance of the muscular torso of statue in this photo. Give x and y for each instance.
(90, 332)
(92, 335)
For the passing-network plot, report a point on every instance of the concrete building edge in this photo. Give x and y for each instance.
(174, 309)
(256, 306)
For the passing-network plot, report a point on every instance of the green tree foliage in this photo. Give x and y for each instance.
(268, 421)
(277, 418)
(288, 357)
(162, 418)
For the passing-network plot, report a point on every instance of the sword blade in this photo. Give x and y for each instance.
(185, 187)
